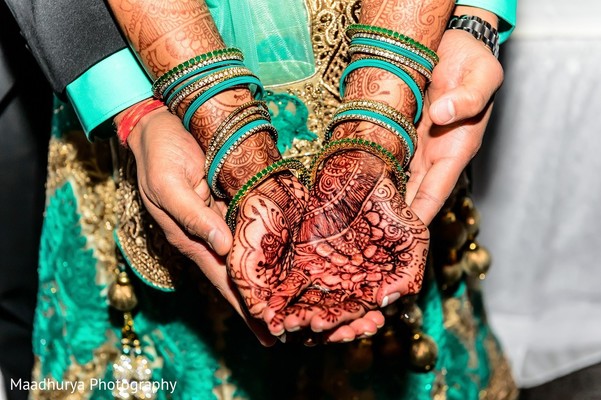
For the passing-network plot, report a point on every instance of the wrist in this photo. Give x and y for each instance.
(126, 121)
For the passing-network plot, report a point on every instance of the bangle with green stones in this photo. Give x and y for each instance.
(365, 51)
(393, 69)
(256, 180)
(349, 144)
(185, 67)
(352, 29)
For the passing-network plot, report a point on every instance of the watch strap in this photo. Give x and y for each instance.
(479, 29)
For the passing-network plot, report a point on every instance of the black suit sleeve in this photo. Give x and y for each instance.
(67, 36)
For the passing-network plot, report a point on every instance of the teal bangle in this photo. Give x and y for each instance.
(218, 66)
(395, 49)
(194, 79)
(393, 69)
(230, 144)
(218, 88)
(376, 119)
(388, 56)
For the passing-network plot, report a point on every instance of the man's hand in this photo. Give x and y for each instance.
(456, 110)
(172, 184)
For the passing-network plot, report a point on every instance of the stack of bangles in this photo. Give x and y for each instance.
(377, 47)
(198, 80)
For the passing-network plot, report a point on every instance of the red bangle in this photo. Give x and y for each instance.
(133, 115)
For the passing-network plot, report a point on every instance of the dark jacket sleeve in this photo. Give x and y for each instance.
(67, 36)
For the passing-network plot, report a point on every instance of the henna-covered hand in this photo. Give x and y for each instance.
(268, 220)
(359, 248)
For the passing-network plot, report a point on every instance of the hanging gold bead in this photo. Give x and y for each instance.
(452, 273)
(121, 294)
(478, 260)
(452, 231)
(471, 217)
(424, 352)
(359, 356)
(412, 316)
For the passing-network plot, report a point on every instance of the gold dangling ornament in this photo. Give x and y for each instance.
(131, 369)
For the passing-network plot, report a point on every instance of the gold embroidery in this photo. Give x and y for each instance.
(142, 243)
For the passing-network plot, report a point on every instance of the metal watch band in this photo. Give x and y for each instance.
(479, 29)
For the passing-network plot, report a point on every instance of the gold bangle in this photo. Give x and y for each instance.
(380, 107)
(221, 162)
(389, 56)
(206, 83)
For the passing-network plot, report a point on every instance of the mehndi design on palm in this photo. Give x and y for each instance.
(358, 244)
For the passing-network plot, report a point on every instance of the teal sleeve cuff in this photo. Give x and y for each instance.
(505, 10)
(106, 89)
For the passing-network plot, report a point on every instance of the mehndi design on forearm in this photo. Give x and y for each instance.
(166, 33)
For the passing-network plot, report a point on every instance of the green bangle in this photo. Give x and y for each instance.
(186, 66)
(373, 148)
(364, 28)
(256, 180)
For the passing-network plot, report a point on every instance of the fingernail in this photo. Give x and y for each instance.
(444, 111)
(279, 333)
(294, 329)
(391, 298)
(348, 339)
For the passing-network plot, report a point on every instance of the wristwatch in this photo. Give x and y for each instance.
(479, 29)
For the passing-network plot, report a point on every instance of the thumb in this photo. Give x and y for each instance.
(186, 207)
(468, 99)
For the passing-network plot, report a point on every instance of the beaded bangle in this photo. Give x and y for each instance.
(383, 108)
(218, 87)
(400, 51)
(133, 115)
(393, 69)
(249, 117)
(202, 59)
(380, 120)
(256, 180)
(379, 53)
(228, 147)
(396, 43)
(351, 30)
(201, 84)
(232, 124)
(172, 89)
(373, 148)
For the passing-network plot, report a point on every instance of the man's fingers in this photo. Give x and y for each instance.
(434, 190)
(469, 98)
(189, 210)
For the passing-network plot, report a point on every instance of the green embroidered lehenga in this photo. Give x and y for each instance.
(440, 348)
